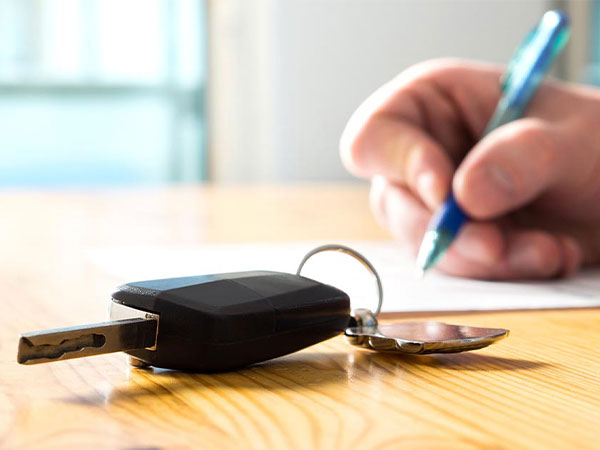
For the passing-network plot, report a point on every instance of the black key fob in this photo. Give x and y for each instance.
(222, 322)
(226, 321)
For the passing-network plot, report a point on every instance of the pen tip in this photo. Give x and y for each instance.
(435, 243)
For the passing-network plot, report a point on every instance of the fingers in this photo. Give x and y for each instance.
(572, 255)
(396, 209)
(538, 254)
(478, 245)
(414, 127)
(510, 167)
(481, 243)
(482, 250)
(404, 155)
(527, 255)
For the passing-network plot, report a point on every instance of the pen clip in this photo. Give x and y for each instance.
(537, 52)
(515, 59)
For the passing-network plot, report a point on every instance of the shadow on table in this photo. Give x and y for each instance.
(303, 371)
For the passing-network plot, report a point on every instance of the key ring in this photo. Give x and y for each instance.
(356, 255)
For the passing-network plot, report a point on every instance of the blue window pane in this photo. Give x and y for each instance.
(101, 91)
(595, 44)
(91, 140)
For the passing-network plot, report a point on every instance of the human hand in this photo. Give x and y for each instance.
(532, 186)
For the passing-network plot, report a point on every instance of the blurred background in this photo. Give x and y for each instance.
(121, 92)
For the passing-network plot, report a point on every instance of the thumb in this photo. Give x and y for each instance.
(509, 167)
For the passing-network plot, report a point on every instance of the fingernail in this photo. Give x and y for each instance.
(501, 178)
(524, 259)
(470, 245)
(572, 256)
(484, 191)
(429, 190)
(377, 199)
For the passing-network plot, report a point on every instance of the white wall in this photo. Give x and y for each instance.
(286, 74)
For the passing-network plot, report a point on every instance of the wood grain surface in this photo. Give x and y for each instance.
(537, 389)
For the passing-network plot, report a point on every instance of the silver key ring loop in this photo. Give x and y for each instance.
(351, 252)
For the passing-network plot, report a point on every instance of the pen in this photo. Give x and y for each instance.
(523, 76)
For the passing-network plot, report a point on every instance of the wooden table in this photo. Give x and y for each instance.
(537, 389)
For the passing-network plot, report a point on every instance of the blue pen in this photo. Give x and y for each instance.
(522, 78)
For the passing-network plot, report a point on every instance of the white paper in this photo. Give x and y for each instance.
(403, 290)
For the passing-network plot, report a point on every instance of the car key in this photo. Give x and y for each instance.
(204, 323)
(226, 321)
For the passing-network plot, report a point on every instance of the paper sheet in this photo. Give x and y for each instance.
(403, 290)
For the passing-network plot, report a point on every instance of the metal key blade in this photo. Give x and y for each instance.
(87, 340)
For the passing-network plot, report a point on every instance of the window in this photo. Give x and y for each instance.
(101, 91)
(595, 43)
